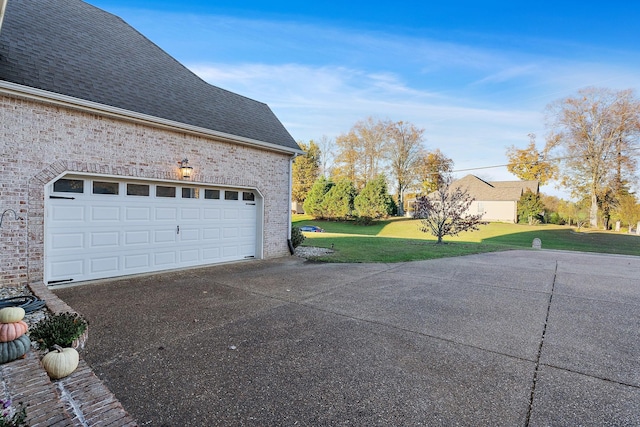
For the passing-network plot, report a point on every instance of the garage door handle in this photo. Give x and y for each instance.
(178, 230)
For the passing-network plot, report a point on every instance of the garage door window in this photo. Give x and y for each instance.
(190, 193)
(69, 186)
(162, 191)
(248, 197)
(212, 194)
(231, 195)
(100, 187)
(137, 190)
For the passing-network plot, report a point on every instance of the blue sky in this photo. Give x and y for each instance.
(475, 75)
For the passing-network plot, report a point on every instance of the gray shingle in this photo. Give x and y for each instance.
(494, 190)
(72, 48)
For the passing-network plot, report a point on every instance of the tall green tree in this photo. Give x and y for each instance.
(530, 164)
(595, 133)
(314, 203)
(338, 202)
(305, 171)
(404, 147)
(374, 200)
(529, 207)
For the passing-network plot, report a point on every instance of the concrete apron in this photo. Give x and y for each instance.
(512, 338)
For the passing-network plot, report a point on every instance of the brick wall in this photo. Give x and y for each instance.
(39, 142)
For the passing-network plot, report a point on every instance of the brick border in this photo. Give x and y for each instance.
(81, 399)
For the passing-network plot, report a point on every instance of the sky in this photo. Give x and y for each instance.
(475, 75)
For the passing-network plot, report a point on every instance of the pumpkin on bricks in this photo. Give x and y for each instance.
(14, 349)
(60, 362)
(12, 331)
(11, 314)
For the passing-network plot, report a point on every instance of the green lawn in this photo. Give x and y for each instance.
(399, 239)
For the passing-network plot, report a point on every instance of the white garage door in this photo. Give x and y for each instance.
(98, 228)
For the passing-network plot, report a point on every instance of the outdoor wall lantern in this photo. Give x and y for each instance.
(185, 169)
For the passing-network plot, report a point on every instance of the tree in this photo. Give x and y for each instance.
(628, 210)
(574, 213)
(313, 204)
(530, 164)
(432, 167)
(529, 207)
(445, 212)
(405, 143)
(305, 171)
(338, 201)
(374, 200)
(326, 145)
(551, 205)
(360, 152)
(596, 132)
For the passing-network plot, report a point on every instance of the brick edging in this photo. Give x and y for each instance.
(82, 393)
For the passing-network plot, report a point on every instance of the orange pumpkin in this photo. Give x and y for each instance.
(12, 331)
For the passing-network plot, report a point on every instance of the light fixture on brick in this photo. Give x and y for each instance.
(185, 169)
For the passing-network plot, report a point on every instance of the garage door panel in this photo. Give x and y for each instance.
(210, 254)
(90, 236)
(189, 235)
(247, 249)
(105, 239)
(247, 214)
(106, 265)
(231, 214)
(61, 270)
(189, 214)
(137, 213)
(230, 232)
(165, 258)
(166, 214)
(67, 213)
(211, 233)
(105, 213)
(137, 237)
(61, 241)
(164, 236)
(230, 251)
(247, 231)
(211, 214)
(189, 256)
(136, 261)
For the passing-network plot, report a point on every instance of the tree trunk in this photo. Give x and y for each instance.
(400, 201)
(593, 212)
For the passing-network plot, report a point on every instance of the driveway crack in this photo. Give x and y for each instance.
(537, 364)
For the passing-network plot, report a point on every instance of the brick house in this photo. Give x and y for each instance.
(95, 121)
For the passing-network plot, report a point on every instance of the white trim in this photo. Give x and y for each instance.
(3, 8)
(132, 116)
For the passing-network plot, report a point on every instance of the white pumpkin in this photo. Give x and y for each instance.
(60, 362)
(11, 314)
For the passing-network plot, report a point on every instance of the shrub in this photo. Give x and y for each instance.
(296, 236)
(61, 328)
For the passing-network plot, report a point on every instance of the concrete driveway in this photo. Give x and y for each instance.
(522, 338)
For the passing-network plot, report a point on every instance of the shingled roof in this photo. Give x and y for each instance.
(71, 48)
(495, 190)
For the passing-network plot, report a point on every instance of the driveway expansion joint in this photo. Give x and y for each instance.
(537, 364)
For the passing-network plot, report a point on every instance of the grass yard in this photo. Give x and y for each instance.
(398, 239)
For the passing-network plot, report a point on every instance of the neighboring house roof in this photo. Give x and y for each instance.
(71, 48)
(482, 190)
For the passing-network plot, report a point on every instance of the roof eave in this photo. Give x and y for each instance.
(57, 99)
